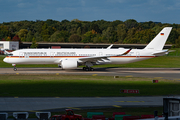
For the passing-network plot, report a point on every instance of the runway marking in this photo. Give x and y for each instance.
(117, 106)
(94, 74)
(129, 101)
(74, 108)
(134, 101)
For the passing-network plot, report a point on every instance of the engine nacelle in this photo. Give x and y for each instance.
(69, 64)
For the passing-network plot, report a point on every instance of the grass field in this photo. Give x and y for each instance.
(82, 86)
(96, 86)
(169, 61)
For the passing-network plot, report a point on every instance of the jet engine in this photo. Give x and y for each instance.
(69, 64)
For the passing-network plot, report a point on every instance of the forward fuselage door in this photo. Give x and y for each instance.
(21, 54)
(26, 55)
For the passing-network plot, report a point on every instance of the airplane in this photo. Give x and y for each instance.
(72, 58)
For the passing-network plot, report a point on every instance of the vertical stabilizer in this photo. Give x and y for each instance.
(158, 42)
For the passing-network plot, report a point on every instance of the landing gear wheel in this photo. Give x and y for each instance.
(84, 68)
(91, 69)
(87, 69)
(15, 69)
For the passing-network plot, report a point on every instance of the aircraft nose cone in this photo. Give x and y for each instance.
(6, 60)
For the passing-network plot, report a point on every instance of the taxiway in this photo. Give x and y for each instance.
(30, 104)
(165, 73)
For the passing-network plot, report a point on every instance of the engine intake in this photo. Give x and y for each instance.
(69, 64)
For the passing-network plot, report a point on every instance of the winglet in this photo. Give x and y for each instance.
(127, 52)
(109, 46)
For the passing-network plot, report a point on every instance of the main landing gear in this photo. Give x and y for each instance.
(15, 69)
(88, 69)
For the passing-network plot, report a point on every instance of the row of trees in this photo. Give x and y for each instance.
(101, 31)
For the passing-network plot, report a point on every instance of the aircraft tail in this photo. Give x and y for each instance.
(159, 41)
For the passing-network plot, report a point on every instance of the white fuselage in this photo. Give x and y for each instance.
(72, 58)
(55, 56)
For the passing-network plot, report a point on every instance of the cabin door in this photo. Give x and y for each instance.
(21, 55)
(137, 54)
(26, 55)
(52, 55)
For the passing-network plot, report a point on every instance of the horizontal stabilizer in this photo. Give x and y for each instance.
(160, 53)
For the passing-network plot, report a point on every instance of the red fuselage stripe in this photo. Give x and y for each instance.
(78, 56)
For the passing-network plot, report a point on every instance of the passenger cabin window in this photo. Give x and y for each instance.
(45, 54)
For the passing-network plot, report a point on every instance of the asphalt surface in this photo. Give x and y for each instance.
(166, 73)
(32, 104)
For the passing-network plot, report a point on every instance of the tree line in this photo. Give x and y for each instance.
(100, 31)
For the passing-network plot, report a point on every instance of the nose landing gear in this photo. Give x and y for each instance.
(15, 69)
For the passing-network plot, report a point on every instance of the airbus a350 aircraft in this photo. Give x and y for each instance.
(72, 58)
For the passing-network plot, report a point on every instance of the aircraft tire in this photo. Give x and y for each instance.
(84, 68)
(91, 69)
(15, 69)
(87, 69)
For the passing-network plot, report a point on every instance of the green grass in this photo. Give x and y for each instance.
(82, 86)
(169, 61)
(158, 62)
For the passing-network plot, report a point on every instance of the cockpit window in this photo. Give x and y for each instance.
(10, 54)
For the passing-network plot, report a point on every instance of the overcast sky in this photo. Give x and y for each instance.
(165, 11)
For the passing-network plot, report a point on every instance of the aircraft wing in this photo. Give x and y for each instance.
(6, 52)
(100, 58)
